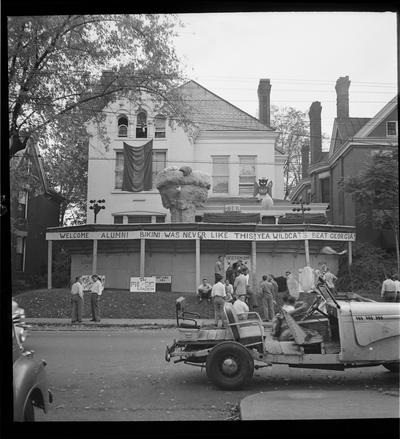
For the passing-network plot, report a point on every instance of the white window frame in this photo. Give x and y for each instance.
(160, 129)
(225, 161)
(248, 185)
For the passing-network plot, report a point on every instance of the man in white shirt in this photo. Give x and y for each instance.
(218, 294)
(240, 307)
(96, 291)
(77, 300)
(388, 291)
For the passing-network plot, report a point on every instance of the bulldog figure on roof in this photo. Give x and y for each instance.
(263, 192)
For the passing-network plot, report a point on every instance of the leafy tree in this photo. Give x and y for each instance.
(294, 132)
(55, 66)
(67, 166)
(376, 189)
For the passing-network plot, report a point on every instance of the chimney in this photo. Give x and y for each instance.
(305, 160)
(342, 97)
(264, 111)
(315, 132)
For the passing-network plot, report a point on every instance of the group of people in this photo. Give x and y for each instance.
(390, 291)
(235, 289)
(77, 299)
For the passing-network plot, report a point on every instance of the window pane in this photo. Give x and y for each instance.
(391, 128)
(220, 174)
(220, 185)
(160, 219)
(245, 189)
(159, 123)
(247, 165)
(122, 131)
(248, 180)
(118, 219)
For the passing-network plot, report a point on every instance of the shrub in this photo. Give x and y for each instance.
(370, 264)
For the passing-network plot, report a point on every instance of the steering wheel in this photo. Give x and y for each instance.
(318, 302)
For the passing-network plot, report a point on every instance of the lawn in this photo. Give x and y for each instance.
(122, 304)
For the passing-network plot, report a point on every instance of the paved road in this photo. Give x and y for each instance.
(121, 375)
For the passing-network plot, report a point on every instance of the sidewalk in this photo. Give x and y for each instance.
(65, 324)
(319, 404)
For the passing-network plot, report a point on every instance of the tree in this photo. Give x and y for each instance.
(56, 70)
(376, 189)
(66, 166)
(294, 132)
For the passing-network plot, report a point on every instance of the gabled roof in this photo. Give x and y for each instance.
(32, 151)
(378, 118)
(343, 128)
(213, 113)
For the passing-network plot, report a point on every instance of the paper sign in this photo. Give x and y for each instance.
(143, 284)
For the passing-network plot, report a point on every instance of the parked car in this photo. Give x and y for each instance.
(30, 385)
(336, 333)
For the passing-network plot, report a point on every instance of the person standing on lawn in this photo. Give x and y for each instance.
(96, 291)
(388, 291)
(219, 268)
(218, 294)
(77, 300)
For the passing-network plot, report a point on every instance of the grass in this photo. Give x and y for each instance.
(122, 304)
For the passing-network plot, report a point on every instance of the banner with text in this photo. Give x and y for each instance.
(206, 235)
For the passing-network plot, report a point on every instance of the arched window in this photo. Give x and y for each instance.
(122, 126)
(141, 125)
(159, 124)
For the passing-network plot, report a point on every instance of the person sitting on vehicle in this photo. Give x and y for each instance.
(240, 306)
(204, 291)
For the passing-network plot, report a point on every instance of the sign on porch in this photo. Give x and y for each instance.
(142, 284)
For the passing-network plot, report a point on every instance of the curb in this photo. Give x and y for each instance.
(89, 326)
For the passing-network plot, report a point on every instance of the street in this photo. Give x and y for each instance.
(121, 375)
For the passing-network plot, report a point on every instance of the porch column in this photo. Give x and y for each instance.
(307, 251)
(253, 264)
(142, 256)
(350, 251)
(197, 264)
(49, 263)
(94, 259)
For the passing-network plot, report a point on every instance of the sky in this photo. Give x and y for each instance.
(302, 53)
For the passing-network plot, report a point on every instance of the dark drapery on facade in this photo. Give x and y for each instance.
(137, 167)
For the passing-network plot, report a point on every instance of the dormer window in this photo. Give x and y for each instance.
(159, 124)
(122, 126)
(141, 125)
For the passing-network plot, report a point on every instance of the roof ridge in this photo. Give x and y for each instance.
(229, 103)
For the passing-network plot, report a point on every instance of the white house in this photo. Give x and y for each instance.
(234, 148)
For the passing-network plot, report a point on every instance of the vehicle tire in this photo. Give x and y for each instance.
(29, 412)
(393, 367)
(229, 366)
